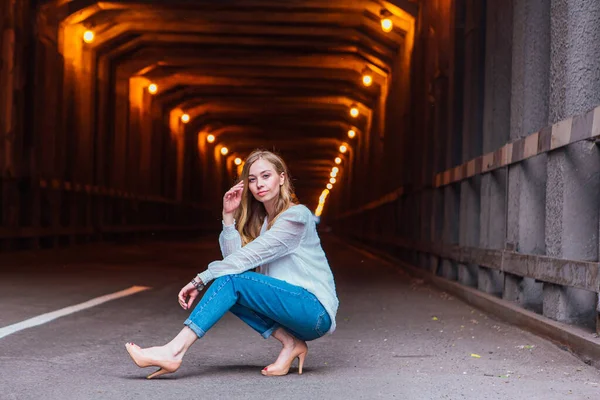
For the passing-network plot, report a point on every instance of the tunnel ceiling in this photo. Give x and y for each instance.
(279, 75)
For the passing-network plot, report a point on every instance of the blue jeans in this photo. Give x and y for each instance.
(264, 303)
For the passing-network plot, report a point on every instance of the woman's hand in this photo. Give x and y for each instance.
(232, 199)
(187, 295)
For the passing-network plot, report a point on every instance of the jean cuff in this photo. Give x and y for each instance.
(267, 334)
(199, 332)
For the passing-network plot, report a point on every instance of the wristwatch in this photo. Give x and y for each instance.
(197, 282)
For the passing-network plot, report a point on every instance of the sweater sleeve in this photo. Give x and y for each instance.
(229, 240)
(283, 238)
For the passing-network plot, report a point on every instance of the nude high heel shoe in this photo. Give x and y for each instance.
(165, 366)
(300, 352)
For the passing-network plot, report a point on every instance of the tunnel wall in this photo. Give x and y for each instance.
(481, 168)
(504, 167)
(81, 162)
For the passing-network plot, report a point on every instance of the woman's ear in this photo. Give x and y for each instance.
(281, 178)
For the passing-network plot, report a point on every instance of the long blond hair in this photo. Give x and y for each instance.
(251, 213)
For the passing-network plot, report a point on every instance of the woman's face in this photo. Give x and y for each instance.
(264, 182)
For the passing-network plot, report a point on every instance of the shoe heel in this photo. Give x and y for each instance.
(160, 372)
(301, 357)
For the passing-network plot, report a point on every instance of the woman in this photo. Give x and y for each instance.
(292, 298)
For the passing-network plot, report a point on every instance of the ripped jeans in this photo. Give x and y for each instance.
(262, 302)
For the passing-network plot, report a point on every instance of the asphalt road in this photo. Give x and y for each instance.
(397, 337)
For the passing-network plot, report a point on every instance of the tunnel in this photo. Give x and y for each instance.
(447, 150)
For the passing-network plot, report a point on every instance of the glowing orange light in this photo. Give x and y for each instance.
(210, 138)
(387, 25)
(354, 112)
(237, 161)
(224, 151)
(152, 88)
(351, 133)
(332, 180)
(367, 80)
(343, 149)
(319, 210)
(338, 160)
(335, 169)
(185, 118)
(329, 186)
(88, 36)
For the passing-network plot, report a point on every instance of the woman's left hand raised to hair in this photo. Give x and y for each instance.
(187, 295)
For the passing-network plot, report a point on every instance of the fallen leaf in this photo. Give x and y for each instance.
(475, 355)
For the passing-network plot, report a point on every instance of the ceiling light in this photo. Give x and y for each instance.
(224, 150)
(237, 161)
(343, 149)
(387, 25)
(354, 112)
(338, 160)
(152, 88)
(351, 133)
(210, 138)
(329, 186)
(88, 36)
(185, 118)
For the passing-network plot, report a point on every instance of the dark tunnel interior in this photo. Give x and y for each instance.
(458, 136)
(143, 111)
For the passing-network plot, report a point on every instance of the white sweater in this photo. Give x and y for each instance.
(291, 251)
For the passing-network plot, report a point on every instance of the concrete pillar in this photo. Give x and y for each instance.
(492, 227)
(473, 90)
(498, 54)
(526, 226)
(530, 67)
(448, 268)
(575, 65)
(573, 184)
(529, 113)
(472, 126)
(572, 219)
(437, 227)
(469, 226)
(496, 128)
(425, 224)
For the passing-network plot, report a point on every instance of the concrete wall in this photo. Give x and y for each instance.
(573, 180)
(518, 67)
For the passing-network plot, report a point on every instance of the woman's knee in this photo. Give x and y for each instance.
(223, 280)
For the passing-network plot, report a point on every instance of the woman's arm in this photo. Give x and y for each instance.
(283, 238)
(229, 239)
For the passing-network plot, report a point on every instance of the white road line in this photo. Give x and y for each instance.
(42, 319)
